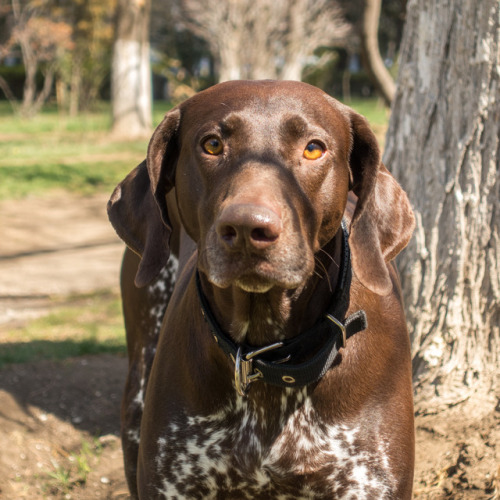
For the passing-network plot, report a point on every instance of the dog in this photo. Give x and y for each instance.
(268, 350)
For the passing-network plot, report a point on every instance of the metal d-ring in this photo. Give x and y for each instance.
(243, 367)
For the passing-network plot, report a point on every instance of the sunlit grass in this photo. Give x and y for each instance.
(372, 109)
(82, 324)
(51, 120)
(71, 471)
(54, 151)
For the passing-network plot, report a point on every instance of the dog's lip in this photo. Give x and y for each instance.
(253, 284)
(257, 277)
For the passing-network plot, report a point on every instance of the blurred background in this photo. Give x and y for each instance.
(64, 54)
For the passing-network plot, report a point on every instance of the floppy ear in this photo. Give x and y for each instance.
(163, 152)
(137, 208)
(383, 220)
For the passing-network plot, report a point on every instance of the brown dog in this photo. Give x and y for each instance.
(277, 370)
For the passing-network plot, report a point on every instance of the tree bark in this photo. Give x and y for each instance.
(30, 63)
(372, 60)
(131, 71)
(443, 146)
(29, 91)
(228, 41)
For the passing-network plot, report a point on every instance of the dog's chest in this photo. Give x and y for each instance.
(239, 453)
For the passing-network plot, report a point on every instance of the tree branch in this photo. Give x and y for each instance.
(371, 53)
(8, 94)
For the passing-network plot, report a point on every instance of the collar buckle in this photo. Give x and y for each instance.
(244, 374)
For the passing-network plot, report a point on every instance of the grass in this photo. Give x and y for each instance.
(81, 325)
(74, 470)
(50, 120)
(53, 152)
(376, 113)
(372, 109)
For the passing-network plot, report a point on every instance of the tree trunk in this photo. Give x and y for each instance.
(443, 146)
(372, 60)
(44, 94)
(131, 71)
(75, 87)
(30, 68)
(4, 86)
(229, 61)
(293, 68)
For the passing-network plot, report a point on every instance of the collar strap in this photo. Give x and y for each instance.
(301, 360)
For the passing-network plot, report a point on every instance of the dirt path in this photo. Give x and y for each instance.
(59, 421)
(56, 245)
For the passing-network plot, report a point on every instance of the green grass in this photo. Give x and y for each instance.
(81, 325)
(376, 113)
(16, 182)
(51, 120)
(372, 109)
(73, 470)
(53, 152)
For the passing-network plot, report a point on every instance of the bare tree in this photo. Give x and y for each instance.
(443, 145)
(41, 41)
(372, 60)
(265, 38)
(311, 24)
(131, 70)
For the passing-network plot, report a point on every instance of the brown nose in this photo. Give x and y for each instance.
(255, 227)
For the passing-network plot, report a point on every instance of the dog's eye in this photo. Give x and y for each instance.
(313, 151)
(212, 146)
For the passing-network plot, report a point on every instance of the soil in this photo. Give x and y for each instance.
(60, 420)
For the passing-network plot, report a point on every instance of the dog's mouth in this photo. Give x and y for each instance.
(254, 284)
(257, 274)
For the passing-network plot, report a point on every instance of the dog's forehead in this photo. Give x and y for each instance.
(264, 101)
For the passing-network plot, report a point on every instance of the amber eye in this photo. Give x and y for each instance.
(313, 151)
(212, 146)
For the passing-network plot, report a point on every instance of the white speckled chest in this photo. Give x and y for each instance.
(238, 453)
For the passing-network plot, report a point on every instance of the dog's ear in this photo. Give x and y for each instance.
(137, 208)
(383, 220)
(134, 214)
(163, 151)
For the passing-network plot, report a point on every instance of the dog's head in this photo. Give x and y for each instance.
(261, 172)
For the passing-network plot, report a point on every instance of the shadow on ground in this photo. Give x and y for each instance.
(83, 391)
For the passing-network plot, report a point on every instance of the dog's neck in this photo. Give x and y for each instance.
(259, 319)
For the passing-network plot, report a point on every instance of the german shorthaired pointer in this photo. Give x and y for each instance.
(269, 356)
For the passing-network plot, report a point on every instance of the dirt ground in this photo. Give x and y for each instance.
(59, 421)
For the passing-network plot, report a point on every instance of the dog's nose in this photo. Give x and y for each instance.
(252, 226)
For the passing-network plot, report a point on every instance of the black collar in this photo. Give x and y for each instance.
(301, 360)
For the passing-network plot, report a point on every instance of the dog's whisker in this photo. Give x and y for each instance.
(330, 257)
(317, 274)
(323, 268)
